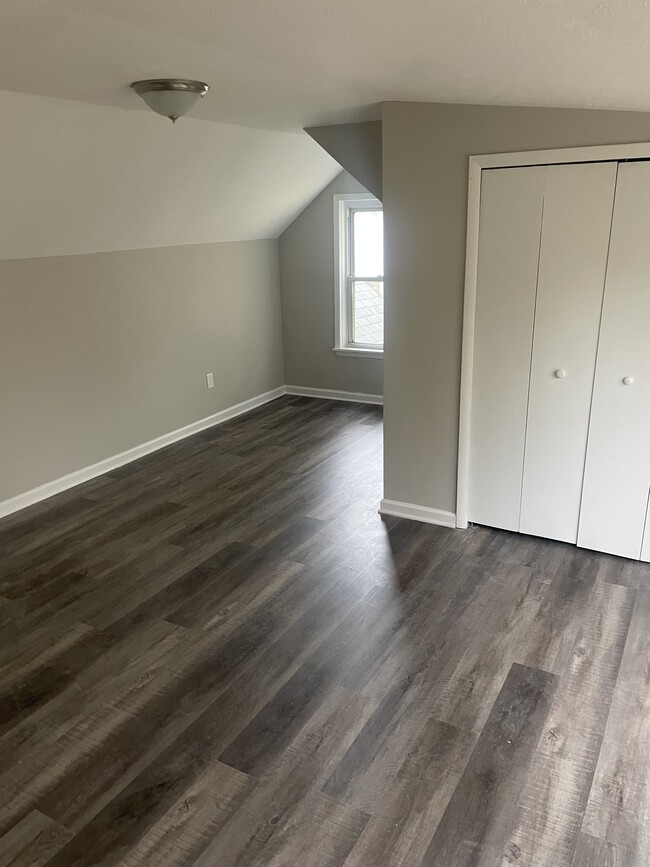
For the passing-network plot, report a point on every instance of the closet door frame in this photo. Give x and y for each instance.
(558, 156)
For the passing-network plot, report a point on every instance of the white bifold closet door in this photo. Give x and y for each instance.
(645, 547)
(578, 201)
(510, 227)
(542, 258)
(617, 473)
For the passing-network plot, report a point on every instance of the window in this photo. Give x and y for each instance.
(359, 296)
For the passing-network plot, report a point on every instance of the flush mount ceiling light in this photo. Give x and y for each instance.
(171, 97)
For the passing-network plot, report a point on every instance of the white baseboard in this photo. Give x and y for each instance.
(417, 513)
(43, 492)
(332, 394)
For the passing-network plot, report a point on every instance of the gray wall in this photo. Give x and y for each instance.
(357, 147)
(307, 279)
(102, 352)
(425, 159)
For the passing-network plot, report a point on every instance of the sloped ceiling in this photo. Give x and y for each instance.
(80, 178)
(287, 64)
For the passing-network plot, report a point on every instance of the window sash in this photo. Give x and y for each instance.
(351, 318)
(350, 270)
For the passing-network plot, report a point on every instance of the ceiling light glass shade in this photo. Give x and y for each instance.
(171, 97)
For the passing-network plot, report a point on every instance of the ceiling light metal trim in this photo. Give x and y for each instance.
(149, 84)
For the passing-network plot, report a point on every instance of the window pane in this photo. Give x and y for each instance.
(368, 243)
(368, 312)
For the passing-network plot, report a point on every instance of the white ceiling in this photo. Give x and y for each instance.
(285, 64)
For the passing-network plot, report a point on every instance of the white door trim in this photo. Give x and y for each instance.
(598, 153)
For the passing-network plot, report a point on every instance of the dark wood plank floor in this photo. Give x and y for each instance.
(221, 655)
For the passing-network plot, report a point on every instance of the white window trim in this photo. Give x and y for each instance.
(343, 202)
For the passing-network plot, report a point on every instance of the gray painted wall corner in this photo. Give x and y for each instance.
(306, 255)
(102, 352)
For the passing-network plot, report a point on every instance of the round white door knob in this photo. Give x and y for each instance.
(628, 380)
(559, 373)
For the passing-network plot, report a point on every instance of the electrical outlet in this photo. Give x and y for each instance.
(210, 379)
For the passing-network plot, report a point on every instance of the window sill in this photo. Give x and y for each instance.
(353, 352)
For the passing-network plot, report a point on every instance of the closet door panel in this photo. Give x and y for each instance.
(578, 201)
(645, 547)
(510, 226)
(617, 472)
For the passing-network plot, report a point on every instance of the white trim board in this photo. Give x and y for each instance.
(555, 156)
(426, 514)
(49, 489)
(598, 153)
(332, 394)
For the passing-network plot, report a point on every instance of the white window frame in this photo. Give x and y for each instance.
(344, 205)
